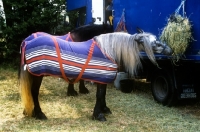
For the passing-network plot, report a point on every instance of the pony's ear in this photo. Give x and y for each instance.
(139, 30)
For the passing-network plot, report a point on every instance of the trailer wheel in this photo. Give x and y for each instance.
(162, 87)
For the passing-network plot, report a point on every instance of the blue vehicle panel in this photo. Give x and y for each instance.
(152, 15)
(71, 5)
(75, 5)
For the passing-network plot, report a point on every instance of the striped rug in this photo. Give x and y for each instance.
(50, 55)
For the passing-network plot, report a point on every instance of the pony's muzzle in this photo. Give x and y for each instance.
(166, 50)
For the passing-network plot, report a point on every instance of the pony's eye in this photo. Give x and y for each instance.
(158, 43)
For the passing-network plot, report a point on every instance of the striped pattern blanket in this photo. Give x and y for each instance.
(66, 37)
(50, 55)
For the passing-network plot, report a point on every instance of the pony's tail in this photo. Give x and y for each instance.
(25, 90)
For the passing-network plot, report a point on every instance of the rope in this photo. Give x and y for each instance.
(181, 5)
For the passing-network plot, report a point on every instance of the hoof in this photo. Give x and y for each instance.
(100, 117)
(72, 93)
(83, 90)
(40, 116)
(24, 113)
(106, 110)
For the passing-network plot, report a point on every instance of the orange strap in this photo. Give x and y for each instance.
(68, 36)
(59, 58)
(23, 53)
(87, 61)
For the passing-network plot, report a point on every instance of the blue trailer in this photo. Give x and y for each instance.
(172, 81)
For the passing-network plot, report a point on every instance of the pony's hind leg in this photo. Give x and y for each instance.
(30, 86)
(26, 96)
(37, 113)
(82, 88)
(100, 96)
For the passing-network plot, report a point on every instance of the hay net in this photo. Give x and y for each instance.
(177, 33)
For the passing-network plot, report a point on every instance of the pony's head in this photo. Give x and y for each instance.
(148, 38)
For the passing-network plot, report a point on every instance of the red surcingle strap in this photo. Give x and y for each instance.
(87, 61)
(60, 60)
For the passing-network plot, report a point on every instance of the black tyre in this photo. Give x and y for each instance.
(163, 89)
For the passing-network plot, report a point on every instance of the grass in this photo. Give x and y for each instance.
(136, 111)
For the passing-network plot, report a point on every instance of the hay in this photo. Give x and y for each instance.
(177, 34)
(134, 112)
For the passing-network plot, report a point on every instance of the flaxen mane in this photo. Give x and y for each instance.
(125, 49)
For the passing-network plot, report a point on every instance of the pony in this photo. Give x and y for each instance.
(79, 34)
(96, 59)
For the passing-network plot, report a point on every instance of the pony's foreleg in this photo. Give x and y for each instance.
(104, 108)
(71, 91)
(82, 88)
(26, 96)
(38, 114)
(97, 114)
